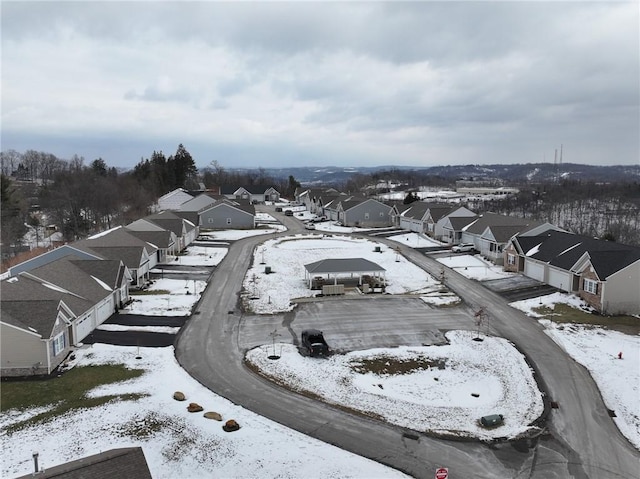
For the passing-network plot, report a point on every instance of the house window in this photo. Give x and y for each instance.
(511, 259)
(228, 221)
(58, 344)
(590, 286)
(366, 216)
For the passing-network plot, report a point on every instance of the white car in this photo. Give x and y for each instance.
(463, 248)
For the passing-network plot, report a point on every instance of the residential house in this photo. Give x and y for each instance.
(603, 273)
(186, 231)
(172, 200)
(126, 462)
(308, 197)
(165, 240)
(46, 310)
(368, 213)
(137, 255)
(491, 232)
(447, 226)
(226, 214)
(412, 216)
(251, 193)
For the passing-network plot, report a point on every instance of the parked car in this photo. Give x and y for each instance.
(288, 213)
(313, 343)
(309, 226)
(463, 248)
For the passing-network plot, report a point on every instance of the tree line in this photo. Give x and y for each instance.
(82, 199)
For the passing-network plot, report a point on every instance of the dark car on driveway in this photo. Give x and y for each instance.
(313, 343)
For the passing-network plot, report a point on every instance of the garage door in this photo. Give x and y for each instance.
(534, 270)
(84, 327)
(105, 310)
(560, 279)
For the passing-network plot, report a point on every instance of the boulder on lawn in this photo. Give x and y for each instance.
(230, 426)
(194, 407)
(178, 396)
(213, 415)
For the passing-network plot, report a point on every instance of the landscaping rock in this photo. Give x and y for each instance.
(230, 426)
(213, 415)
(178, 396)
(194, 407)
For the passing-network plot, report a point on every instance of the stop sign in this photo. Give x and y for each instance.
(442, 473)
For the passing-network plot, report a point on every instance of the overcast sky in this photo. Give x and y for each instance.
(265, 84)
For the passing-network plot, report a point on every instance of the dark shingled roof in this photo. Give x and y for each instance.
(161, 239)
(37, 315)
(562, 250)
(459, 222)
(345, 265)
(128, 462)
(492, 220)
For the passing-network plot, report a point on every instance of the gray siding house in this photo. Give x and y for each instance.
(49, 309)
(490, 233)
(605, 274)
(368, 213)
(226, 214)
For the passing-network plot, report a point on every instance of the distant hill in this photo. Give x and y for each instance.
(516, 173)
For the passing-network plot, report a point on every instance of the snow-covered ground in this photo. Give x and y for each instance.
(199, 256)
(256, 450)
(597, 349)
(287, 256)
(474, 267)
(414, 240)
(440, 389)
(176, 443)
(166, 297)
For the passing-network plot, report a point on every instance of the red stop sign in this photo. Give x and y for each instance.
(442, 473)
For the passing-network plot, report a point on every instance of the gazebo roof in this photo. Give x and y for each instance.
(343, 265)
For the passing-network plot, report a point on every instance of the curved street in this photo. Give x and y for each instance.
(581, 440)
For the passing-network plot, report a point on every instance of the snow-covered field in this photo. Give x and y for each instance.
(414, 240)
(256, 450)
(176, 443)
(597, 349)
(439, 389)
(287, 256)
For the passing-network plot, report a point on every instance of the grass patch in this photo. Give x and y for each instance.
(563, 313)
(146, 292)
(385, 365)
(65, 393)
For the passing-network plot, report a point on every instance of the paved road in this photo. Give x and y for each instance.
(583, 441)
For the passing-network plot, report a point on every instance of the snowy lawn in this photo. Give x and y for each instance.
(443, 390)
(597, 349)
(474, 267)
(176, 443)
(199, 256)
(414, 240)
(333, 227)
(166, 297)
(287, 256)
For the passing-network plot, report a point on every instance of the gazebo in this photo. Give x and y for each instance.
(343, 268)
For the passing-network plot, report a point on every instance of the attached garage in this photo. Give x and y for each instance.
(83, 327)
(560, 279)
(534, 270)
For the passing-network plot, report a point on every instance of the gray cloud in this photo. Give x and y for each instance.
(278, 82)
